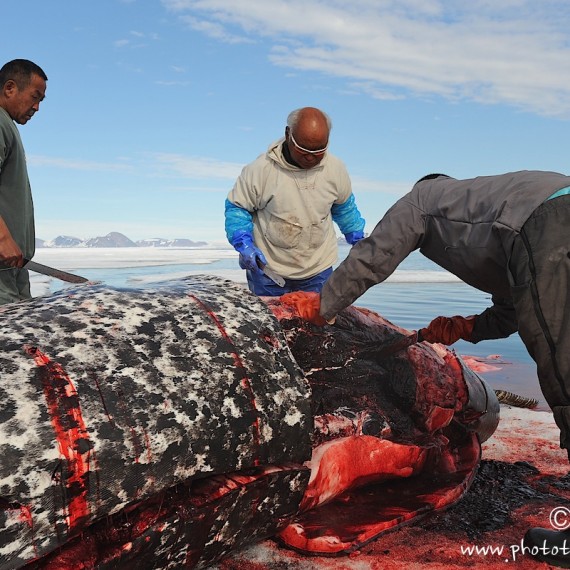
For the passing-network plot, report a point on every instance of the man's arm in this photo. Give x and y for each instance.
(375, 258)
(10, 253)
(237, 219)
(349, 220)
(498, 321)
(239, 231)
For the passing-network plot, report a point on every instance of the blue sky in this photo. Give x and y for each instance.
(154, 106)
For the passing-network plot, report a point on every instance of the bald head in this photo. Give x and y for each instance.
(309, 128)
(309, 118)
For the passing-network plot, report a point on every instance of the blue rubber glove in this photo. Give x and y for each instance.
(353, 237)
(250, 257)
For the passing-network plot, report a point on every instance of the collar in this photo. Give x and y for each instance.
(287, 154)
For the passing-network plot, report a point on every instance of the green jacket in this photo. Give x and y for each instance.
(16, 205)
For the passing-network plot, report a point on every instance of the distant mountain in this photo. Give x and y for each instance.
(161, 242)
(116, 239)
(63, 241)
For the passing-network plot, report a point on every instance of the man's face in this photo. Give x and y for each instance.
(22, 104)
(311, 155)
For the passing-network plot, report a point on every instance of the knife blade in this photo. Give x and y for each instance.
(400, 344)
(275, 277)
(52, 272)
(393, 348)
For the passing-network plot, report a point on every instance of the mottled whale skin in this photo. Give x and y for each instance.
(165, 427)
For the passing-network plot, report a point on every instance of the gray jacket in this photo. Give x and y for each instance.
(466, 226)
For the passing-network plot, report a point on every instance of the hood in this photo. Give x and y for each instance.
(275, 153)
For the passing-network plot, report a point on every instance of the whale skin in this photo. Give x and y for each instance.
(168, 426)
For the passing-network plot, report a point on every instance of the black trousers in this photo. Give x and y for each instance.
(540, 279)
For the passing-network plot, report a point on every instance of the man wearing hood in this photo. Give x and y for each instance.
(281, 210)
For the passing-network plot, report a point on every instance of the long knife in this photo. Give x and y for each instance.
(52, 272)
(400, 344)
(275, 277)
(380, 353)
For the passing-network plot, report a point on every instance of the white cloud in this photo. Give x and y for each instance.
(172, 83)
(197, 167)
(177, 166)
(214, 30)
(139, 36)
(514, 52)
(396, 189)
(75, 164)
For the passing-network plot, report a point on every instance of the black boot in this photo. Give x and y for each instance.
(550, 546)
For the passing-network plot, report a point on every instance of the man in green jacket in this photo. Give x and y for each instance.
(507, 235)
(22, 88)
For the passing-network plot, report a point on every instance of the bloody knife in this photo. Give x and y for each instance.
(401, 344)
(52, 272)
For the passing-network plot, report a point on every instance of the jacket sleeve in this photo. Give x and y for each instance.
(244, 198)
(347, 216)
(5, 143)
(375, 258)
(236, 219)
(498, 321)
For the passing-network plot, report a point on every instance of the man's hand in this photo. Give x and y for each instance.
(10, 254)
(353, 237)
(250, 257)
(448, 330)
(307, 304)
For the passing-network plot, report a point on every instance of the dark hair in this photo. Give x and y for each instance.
(20, 71)
(432, 176)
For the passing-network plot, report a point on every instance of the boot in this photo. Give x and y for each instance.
(550, 546)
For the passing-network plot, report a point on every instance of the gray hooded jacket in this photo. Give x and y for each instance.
(466, 226)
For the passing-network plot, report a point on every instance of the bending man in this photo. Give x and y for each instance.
(508, 235)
